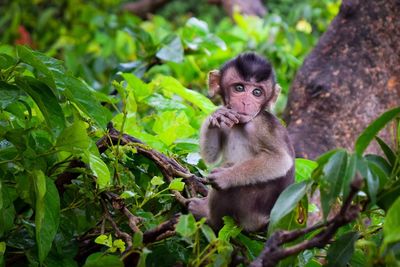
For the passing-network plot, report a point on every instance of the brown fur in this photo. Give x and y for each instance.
(257, 159)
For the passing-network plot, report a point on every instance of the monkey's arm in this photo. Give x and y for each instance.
(211, 133)
(261, 168)
(210, 142)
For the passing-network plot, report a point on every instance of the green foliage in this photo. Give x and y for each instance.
(96, 42)
(137, 74)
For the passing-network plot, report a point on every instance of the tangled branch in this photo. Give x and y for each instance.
(274, 252)
(169, 167)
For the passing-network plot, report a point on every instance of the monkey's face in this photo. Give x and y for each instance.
(247, 98)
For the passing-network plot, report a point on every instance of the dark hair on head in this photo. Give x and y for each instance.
(250, 65)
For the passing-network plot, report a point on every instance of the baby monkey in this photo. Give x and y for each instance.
(254, 150)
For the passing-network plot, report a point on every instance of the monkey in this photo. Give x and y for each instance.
(253, 147)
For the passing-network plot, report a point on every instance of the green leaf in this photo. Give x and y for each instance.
(100, 259)
(72, 88)
(171, 125)
(6, 61)
(193, 158)
(230, 229)
(162, 103)
(74, 138)
(391, 227)
(358, 259)
(378, 172)
(371, 178)
(186, 226)
(172, 51)
(143, 37)
(137, 241)
(104, 240)
(198, 25)
(1, 197)
(304, 169)
(208, 232)
(332, 180)
(119, 244)
(387, 196)
(390, 155)
(127, 194)
(46, 101)
(176, 184)
(100, 170)
(350, 173)
(2, 248)
(143, 256)
(29, 57)
(8, 94)
(286, 202)
(2, 252)
(372, 130)
(140, 89)
(47, 213)
(341, 251)
(157, 180)
(7, 210)
(172, 85)
(84, 97)
(253, 247)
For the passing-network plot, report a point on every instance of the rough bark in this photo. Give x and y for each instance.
(351, 76)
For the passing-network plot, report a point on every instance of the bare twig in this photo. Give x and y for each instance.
(118, 232)
(164, 230)
(119, 204)
(273, 252)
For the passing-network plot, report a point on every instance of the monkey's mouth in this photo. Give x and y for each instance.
(248, 114)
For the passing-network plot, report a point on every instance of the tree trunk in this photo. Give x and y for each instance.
(245, 7)
(351, 76)
(142, 8)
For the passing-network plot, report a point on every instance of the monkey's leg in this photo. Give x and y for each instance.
(199, 207)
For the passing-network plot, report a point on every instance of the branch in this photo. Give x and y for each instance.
(118, 232)
(273, 252)
(119, 204)
(164, 230)
(169, 167)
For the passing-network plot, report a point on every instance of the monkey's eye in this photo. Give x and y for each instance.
(257, 92)
(239, 88)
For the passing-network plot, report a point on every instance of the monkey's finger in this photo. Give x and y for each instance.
(233, 112)
(217, 170)
(232, 116)
(220, 111)
(214, 122)
(213, 182)
(228, 122)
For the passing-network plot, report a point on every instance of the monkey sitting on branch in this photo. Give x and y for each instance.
(253, 147)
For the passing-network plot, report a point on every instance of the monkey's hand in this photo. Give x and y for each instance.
(198, 207)
(224, 117)
(218, 178)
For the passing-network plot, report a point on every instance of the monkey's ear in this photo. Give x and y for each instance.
(214, 78)
(277, 90)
